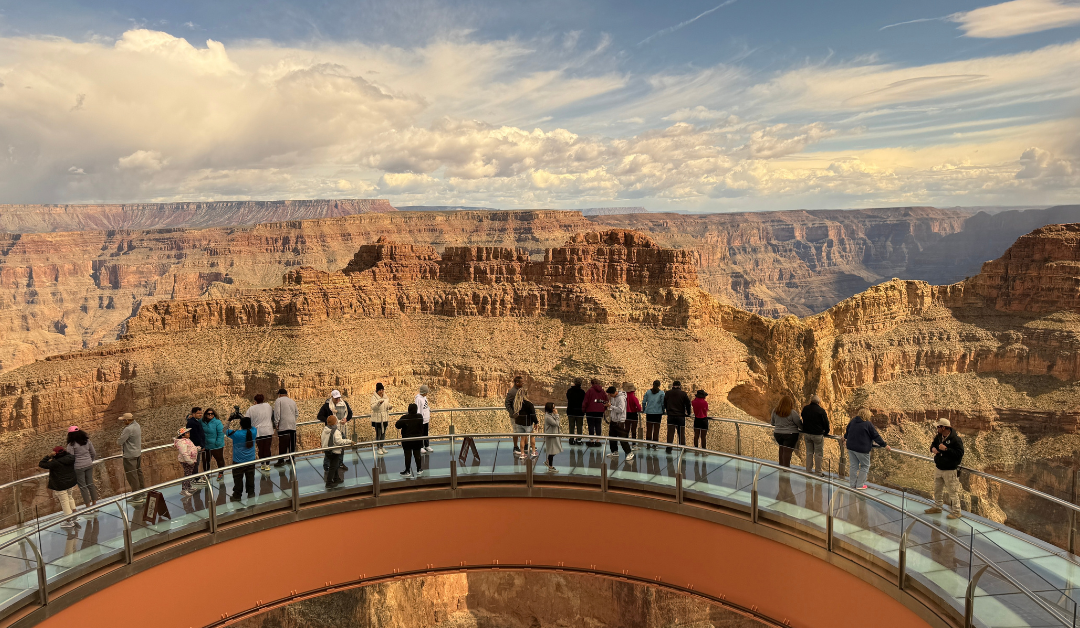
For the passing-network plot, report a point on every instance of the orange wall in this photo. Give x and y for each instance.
(194, 590)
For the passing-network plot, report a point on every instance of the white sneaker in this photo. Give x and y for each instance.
(67, 524)
(381, 451)
(613, 454)
(629, 456)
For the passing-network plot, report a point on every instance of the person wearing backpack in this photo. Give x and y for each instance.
(243, 451)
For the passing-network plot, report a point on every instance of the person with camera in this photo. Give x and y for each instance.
(61, 467)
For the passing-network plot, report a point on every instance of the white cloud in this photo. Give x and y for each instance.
(145, 160)
(1017, 17)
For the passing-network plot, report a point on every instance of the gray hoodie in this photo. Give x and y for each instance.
(790, 424)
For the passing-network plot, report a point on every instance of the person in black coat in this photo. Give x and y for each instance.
(815, 426)
(948, 451)
(575, 396)
(677, 404)
(61, 467)
(411, 426)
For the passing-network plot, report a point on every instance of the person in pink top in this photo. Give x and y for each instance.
(701, 419)
(596, 402)
(633, 407)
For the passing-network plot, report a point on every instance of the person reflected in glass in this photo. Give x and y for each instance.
(243, 451)
(552, 442)
(80, 446)
(859, 438)
(411, 425)
(701, 419)
(786, 424)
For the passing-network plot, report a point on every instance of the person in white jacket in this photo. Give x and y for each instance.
(617, 425)
(424, 409)
(380, 414)
(331, 436)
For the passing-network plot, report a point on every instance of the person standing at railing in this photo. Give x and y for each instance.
(633, 412)
(286, 414)
(701, 419)
(786, 424)
(815, 423)
(214, 447)
(552, 444)
(948, 452)
(411, 426)
(677, 404)
(575, 396)
(61, 467)
(332, 437)
(617, 423)
(194, 423)
(262, 420)
(512, 403)
(424, 409)
(380, 414)
(188, 455)
(654, 413)
(243, 450)
(130, 442)
(525, 424)
(80, 446)
(859, 438)
(596, 402)
(337, 406)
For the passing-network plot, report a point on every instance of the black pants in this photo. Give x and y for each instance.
(618, 430)
(412, 452)
(262, 445)
(595, 421)
(242, 476)
(286, 442)
(427, 443)
(631, 425)
(333, 468)
(676, 427)
(380, 431)
(576, 424)
(213, 454)
(652, 427)
(787, 443)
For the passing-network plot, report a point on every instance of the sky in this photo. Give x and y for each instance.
(716, 105)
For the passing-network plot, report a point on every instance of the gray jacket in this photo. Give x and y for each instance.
(84, 454)
(790, 424)
(131, 440)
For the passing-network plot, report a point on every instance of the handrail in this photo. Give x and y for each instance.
(1045, 605)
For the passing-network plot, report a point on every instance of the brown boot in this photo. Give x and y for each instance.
(932, 511)
(954, 515)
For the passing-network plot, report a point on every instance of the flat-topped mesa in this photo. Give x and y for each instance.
(389, 261)
(486, 264)
(1038, 274)
(620, 256)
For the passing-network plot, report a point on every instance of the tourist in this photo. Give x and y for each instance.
(596, 403)
(380, 414)
(701, 419)
(424, 409)
(654, 413)
(815, 426)
(677, 405)
(552, 444)
(262, 421)
(79, 445)
(948, 451)
(859, 438)
(130, 442)
(513, 404)
(61, 467)
(188, 455)
(337, 406)
(243, 450)
(194, 423)
(286, 415)
(525, 423)
(214, 434)
(786, 424)
(411, 426)
(633, 410)
(574, 414)
(617, 423)
(331, 437)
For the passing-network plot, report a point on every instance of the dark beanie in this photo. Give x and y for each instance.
(378, 387)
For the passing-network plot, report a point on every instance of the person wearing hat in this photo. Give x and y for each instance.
(380, 414)
(130, 442)
(337, 406)
(424, 409)
(188, 455)
(633, 410)
(61, 467)
(948, 451)
(701, 419)
(79, 445)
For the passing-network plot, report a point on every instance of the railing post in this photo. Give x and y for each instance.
(901, 569)
(453, 474)
(212, 506)
(738, 440)
(529, 471)
(969, 598)
(18, 503)
(829, 520)
(678, 487)
(754, 496)
(129, 552)
(296, 483)
(603, 476)
(375, 482)
(43, 582)
(1072, 515)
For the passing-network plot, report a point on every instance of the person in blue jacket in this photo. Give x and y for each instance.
(859, 438)
(214, 434)
(243, 450)
(653, 403)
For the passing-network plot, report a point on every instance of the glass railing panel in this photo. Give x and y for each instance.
(18, 574)
(478, 463)
(797, 496)
(97, 538)
(718, 476)
(188, 513)
(866, 525)
(581, 460)
(940, 563)
(998, 603)
(507, 462)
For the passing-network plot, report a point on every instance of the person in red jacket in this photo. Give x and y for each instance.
(596, 402)
(633, 407)
(701, 419)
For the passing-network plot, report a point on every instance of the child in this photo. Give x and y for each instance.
(188, 456)
(552, 444)
(701, 419)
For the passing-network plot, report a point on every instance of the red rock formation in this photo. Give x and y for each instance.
(1040, 273)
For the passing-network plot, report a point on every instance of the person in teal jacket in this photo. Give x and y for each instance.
(214, 434)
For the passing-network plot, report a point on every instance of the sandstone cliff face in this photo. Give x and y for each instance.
(1039, 274)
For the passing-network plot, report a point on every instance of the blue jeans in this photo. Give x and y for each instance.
(858, 467)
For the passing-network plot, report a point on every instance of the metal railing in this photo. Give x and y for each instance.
(127, 554)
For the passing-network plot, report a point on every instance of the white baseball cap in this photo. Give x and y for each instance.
(944, 423)
(335, 395)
